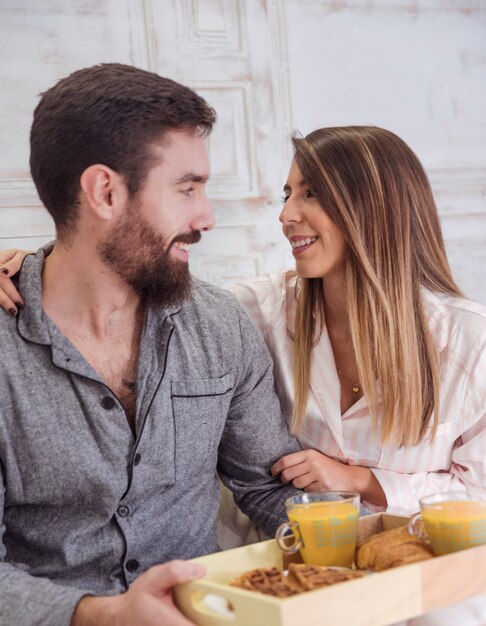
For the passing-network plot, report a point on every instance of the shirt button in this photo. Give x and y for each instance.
(108, 403)
(132, 565)
(123, 511)
(136, 459)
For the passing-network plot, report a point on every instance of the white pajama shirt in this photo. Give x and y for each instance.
(454, 460)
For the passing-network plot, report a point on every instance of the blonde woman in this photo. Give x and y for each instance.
(380, 362)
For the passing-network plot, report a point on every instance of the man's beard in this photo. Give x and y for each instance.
(141, 257)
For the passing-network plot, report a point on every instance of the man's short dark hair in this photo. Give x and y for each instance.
(110, 114)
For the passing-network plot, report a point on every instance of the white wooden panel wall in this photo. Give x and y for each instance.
(416, 67)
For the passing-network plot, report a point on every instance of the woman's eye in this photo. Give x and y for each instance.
(188, 191)
(310, 194)
(284, 199)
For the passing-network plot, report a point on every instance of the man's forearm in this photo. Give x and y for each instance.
(96, 611)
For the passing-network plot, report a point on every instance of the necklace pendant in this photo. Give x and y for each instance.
(356, 389)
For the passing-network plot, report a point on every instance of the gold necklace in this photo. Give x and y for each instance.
(356, 388)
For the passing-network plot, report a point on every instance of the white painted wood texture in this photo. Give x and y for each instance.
(268, 66)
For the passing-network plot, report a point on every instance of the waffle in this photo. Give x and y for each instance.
(391, 548)
(269, 580)
(301, 577)
(309, 577)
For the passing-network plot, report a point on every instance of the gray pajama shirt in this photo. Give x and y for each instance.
(86, 506)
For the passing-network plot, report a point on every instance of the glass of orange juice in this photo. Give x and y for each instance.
(324, 527)
(453, 521)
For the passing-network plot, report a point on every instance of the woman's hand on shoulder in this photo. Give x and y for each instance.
(10, 263)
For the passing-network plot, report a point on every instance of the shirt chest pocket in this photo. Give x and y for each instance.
(428, 456)
(200, 410)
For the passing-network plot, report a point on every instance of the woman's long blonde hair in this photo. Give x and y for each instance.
(374, 188)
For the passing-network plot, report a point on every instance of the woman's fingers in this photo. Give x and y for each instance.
(288, 461)
(288, 475)
(11, 261)
(10, 299)
(305, 481)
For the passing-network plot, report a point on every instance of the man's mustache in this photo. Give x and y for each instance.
(193, 237)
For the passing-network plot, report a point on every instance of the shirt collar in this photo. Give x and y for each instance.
(31, 321)
(438, 317)
(289, 286)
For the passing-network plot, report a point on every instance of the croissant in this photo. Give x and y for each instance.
(391, 548)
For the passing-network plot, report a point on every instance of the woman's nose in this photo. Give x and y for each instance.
(289, 212)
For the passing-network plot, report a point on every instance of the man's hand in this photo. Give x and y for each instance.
(10, 262)
(148, 601)
(311, 470)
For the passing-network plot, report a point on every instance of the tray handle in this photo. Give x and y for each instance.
(191, 600)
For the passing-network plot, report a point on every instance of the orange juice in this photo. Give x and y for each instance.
(327, 531)
(455, 525)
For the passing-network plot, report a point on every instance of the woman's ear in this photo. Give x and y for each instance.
(104, 191)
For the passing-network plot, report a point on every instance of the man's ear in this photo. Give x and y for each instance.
(104, 191)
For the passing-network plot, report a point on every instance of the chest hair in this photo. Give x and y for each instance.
(115, 359)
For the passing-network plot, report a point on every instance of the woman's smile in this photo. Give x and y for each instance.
(302, 243)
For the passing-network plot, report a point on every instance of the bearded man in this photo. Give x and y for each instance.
(125, 384)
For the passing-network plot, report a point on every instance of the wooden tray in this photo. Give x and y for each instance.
(378, 599)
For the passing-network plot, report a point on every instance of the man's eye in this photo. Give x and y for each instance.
(188, 191)
(284, 198)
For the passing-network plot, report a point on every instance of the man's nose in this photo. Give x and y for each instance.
(204, 220)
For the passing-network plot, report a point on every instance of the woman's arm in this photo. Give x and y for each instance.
(10, 263)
